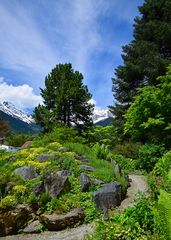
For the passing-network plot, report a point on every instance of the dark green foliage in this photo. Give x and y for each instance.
(149, 117)
(134, 223)
(163, 215)
(61, 135)
(18, 139)
(146, 57)
(66, 99)
(127, 149)
(102, 135)
(149, 155)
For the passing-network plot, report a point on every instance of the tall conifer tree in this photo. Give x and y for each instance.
(66, 99)
(145, 58)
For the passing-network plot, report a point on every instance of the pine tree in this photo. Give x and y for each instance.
(145, 58)
(66, 99)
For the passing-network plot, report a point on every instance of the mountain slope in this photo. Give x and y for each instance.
(17, 119)
(102, 117)
(104, 122)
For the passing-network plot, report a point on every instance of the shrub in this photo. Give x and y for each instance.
(102, 151)
(127, 149)
(149, 155)
(134, 223)
(8, 202)
(163, 214)
(61, 135)
(163, 165)
(18, 139)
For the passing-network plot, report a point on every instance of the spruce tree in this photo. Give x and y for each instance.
(145, 58)
(66, 99)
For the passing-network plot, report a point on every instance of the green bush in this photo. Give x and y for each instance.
(127, 164)
(102, 135)
(134, 223)
(59, 134)
(18, 139)
(127, 149)
(163, 214)
(149, 155)
(163, 165)
(102, 151)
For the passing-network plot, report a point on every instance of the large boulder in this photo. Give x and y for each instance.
(110, 195)
(85, 182)
(34, 227)
(64, 173)
(55, 184)
(87, 168)
(26, 172)
(14, 219)
(58, 222)
(46, 157)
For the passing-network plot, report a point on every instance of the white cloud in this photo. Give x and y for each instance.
(21, 96)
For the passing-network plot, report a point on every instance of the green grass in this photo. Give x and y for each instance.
(104, 169)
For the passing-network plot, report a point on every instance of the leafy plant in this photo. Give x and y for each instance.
(163, 214)
(149, 155)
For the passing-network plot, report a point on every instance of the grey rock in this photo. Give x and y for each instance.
(97, 181)
(26, 172)
(11, 220)
(81, 158)
(63, 150)
(85, 182)
(117, 170)
(110, 195)
(55, 184)
(64, 173)
(38, 188)
(34, 227)
(58, 222)
(87, 168)
(45, 157)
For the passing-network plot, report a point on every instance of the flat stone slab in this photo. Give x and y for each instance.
(56, 222)
(46, 157)
(34, 227)
(87, 168)
(81, 158)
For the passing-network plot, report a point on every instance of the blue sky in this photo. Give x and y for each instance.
(35, 35)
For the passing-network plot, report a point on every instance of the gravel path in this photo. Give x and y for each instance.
(138, 184)
(70, 234)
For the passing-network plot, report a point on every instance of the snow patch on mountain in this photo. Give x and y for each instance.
(11, 110)
(100, 114)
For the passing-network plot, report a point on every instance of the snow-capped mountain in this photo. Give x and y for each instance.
(101, 114)
(10, 109)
